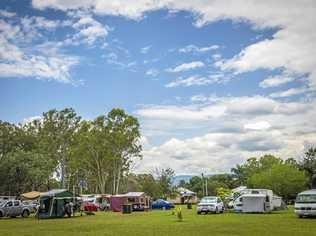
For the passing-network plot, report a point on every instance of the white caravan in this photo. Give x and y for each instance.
(254, 201)
(305, 204)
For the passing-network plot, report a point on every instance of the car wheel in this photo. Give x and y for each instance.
(300, 216)
(1, 214)
(25, 213)
(199, 213)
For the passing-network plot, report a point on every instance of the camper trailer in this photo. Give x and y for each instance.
(52, 203)
(139, 201)
(254, 201)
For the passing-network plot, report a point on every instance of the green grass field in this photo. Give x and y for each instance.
(162, 223)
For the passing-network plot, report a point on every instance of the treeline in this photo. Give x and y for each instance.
(285, 177)
(61, 150)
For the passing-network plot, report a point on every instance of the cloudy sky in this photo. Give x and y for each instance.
(212, 82)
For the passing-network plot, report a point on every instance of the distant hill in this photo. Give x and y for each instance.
(176, 180)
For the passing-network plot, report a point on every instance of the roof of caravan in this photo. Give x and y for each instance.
(254, 195)
(311, 191)
(129, 194)
(134, 194)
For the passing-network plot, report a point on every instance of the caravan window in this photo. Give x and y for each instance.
(306, 198)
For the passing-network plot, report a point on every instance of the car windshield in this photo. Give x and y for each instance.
(208, 200)
(306, 198)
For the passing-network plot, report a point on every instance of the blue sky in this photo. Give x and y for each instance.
(211, 83)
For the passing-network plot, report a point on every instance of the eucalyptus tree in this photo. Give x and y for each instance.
(124, 144)
(105, 149)
(57, 130)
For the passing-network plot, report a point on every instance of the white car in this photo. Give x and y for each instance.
(210, 204)
(305, 204)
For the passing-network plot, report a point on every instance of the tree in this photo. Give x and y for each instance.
(284, 179)
(124, 144)
(164, 179)
(308, 164)
(105, 148)
(56, 136)
(243, 172)
(195, 184)
(149, 185)
(9, 138)
(23, 171)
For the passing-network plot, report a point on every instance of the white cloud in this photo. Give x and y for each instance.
(90, 30)
(152, 72)
(197, 81)
(20, 57)
(292, 47)
(190, 81)
(145, 50)
(199, 98)
(194, 48)
(30, 119)
(288, 93)
(187, 66)
(261, 125)
(225, 131)
(7, 14)
(274, 81)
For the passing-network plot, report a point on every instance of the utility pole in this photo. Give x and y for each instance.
(203, 185)
(206, 191)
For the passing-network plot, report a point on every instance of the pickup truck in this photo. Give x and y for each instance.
(13, 208)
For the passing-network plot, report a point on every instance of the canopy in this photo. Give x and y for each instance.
(58, 193)
(31, 195)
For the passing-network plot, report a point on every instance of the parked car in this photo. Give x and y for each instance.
(305, 204)
(14, 208)
(210, 204)
(90, 206)
(162, 204)
(34, 205)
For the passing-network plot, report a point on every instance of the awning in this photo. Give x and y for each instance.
(31, 195)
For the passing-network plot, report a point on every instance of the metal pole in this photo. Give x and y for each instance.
(203, 185)
(206, 191)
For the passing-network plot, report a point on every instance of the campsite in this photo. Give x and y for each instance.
(157, 117)
(164, 223)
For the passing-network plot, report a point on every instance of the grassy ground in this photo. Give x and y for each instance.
(162, 223)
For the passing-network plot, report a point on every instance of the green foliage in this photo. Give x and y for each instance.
(223, 192)
(284, 179)
(98, 153)
(179, 213)
(308, 164)
(164, 181)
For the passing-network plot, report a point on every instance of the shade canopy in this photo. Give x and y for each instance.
(31, 195)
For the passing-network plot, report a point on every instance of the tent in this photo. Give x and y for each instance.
(139, 201)
(52, 203)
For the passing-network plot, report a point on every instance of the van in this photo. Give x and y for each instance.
(305, 203)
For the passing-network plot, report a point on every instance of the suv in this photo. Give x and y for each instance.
(210, 204)
(14, 208)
